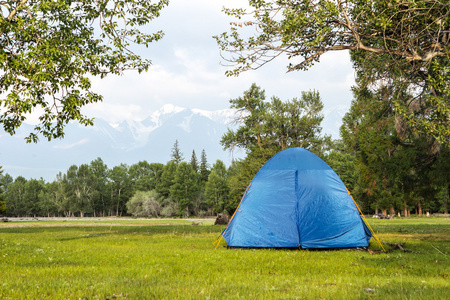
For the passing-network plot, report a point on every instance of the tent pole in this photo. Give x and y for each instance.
(365, 221)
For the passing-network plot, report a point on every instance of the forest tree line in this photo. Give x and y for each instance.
(387, 167)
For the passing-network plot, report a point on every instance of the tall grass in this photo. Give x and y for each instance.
(144, 260)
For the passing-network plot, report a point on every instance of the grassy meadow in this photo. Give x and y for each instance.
(167, 259)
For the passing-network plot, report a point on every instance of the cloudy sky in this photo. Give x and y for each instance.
(187, 70)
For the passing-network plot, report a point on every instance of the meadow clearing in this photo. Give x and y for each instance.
(169, 259)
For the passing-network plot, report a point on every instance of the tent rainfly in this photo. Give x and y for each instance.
(297, 200)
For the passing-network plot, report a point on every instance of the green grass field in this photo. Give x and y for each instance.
(167, 259)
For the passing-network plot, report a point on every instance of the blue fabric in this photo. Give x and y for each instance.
(297, 199)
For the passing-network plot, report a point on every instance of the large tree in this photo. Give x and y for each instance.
(269, 127)
(185, 185)
(394, 163)
(265, 128)
(166, 179)
(50, 50)
(15, 197)
(79, 189)
(403, 42)
(216, 188)
(176, 155)
(100, 199)
(120, 187)
(145, 176)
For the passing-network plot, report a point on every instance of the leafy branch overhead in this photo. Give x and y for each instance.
(305, 30)
(49, 50)
(404, 41)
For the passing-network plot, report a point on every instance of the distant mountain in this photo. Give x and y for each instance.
(333, 120)
(127, 142)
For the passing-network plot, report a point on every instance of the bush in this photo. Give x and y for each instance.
(145, 204)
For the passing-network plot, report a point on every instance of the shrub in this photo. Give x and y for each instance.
(145, 204)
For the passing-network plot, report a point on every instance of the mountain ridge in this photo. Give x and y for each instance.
(129, 141)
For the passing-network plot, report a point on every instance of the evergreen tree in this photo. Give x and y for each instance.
(185, 185)
(216, 188)
(204, 167)
(176, 155)
(167, 179)
(194, 161)
(393, 161)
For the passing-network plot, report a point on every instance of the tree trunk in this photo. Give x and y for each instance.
(419, 207)
(385, 211)
(391, 211)
(118, 202)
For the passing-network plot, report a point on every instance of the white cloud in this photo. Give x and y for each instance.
(186, 70)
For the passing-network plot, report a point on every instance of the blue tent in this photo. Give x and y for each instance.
(297, 200)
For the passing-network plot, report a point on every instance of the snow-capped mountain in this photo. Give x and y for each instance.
(129, 141)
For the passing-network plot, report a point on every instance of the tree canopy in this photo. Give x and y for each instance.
(405, 43)
(266, 128)
(50, 50)
(269, 127)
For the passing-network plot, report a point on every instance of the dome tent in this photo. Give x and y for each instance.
(297, 200)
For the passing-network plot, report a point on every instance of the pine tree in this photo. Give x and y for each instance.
(176, 155)
(216, 189)
(194, 161)
(185, 185)
(166, 180)
(204, 170)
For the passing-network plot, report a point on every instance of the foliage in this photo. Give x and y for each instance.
(141, 259)
(269, 127)
(204, 167)
(266, 128)
(343, 163)
(176, 155)
(2, 194)
(50, 50)
(145, 176)
(185, 185)
(216, 188)
(404, 43)
(145, 204)
(393, 161)
(14, 197)
(167, 177)
(94, 190)
(194, 161)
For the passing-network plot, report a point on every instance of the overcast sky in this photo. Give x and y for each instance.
(187, 72)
